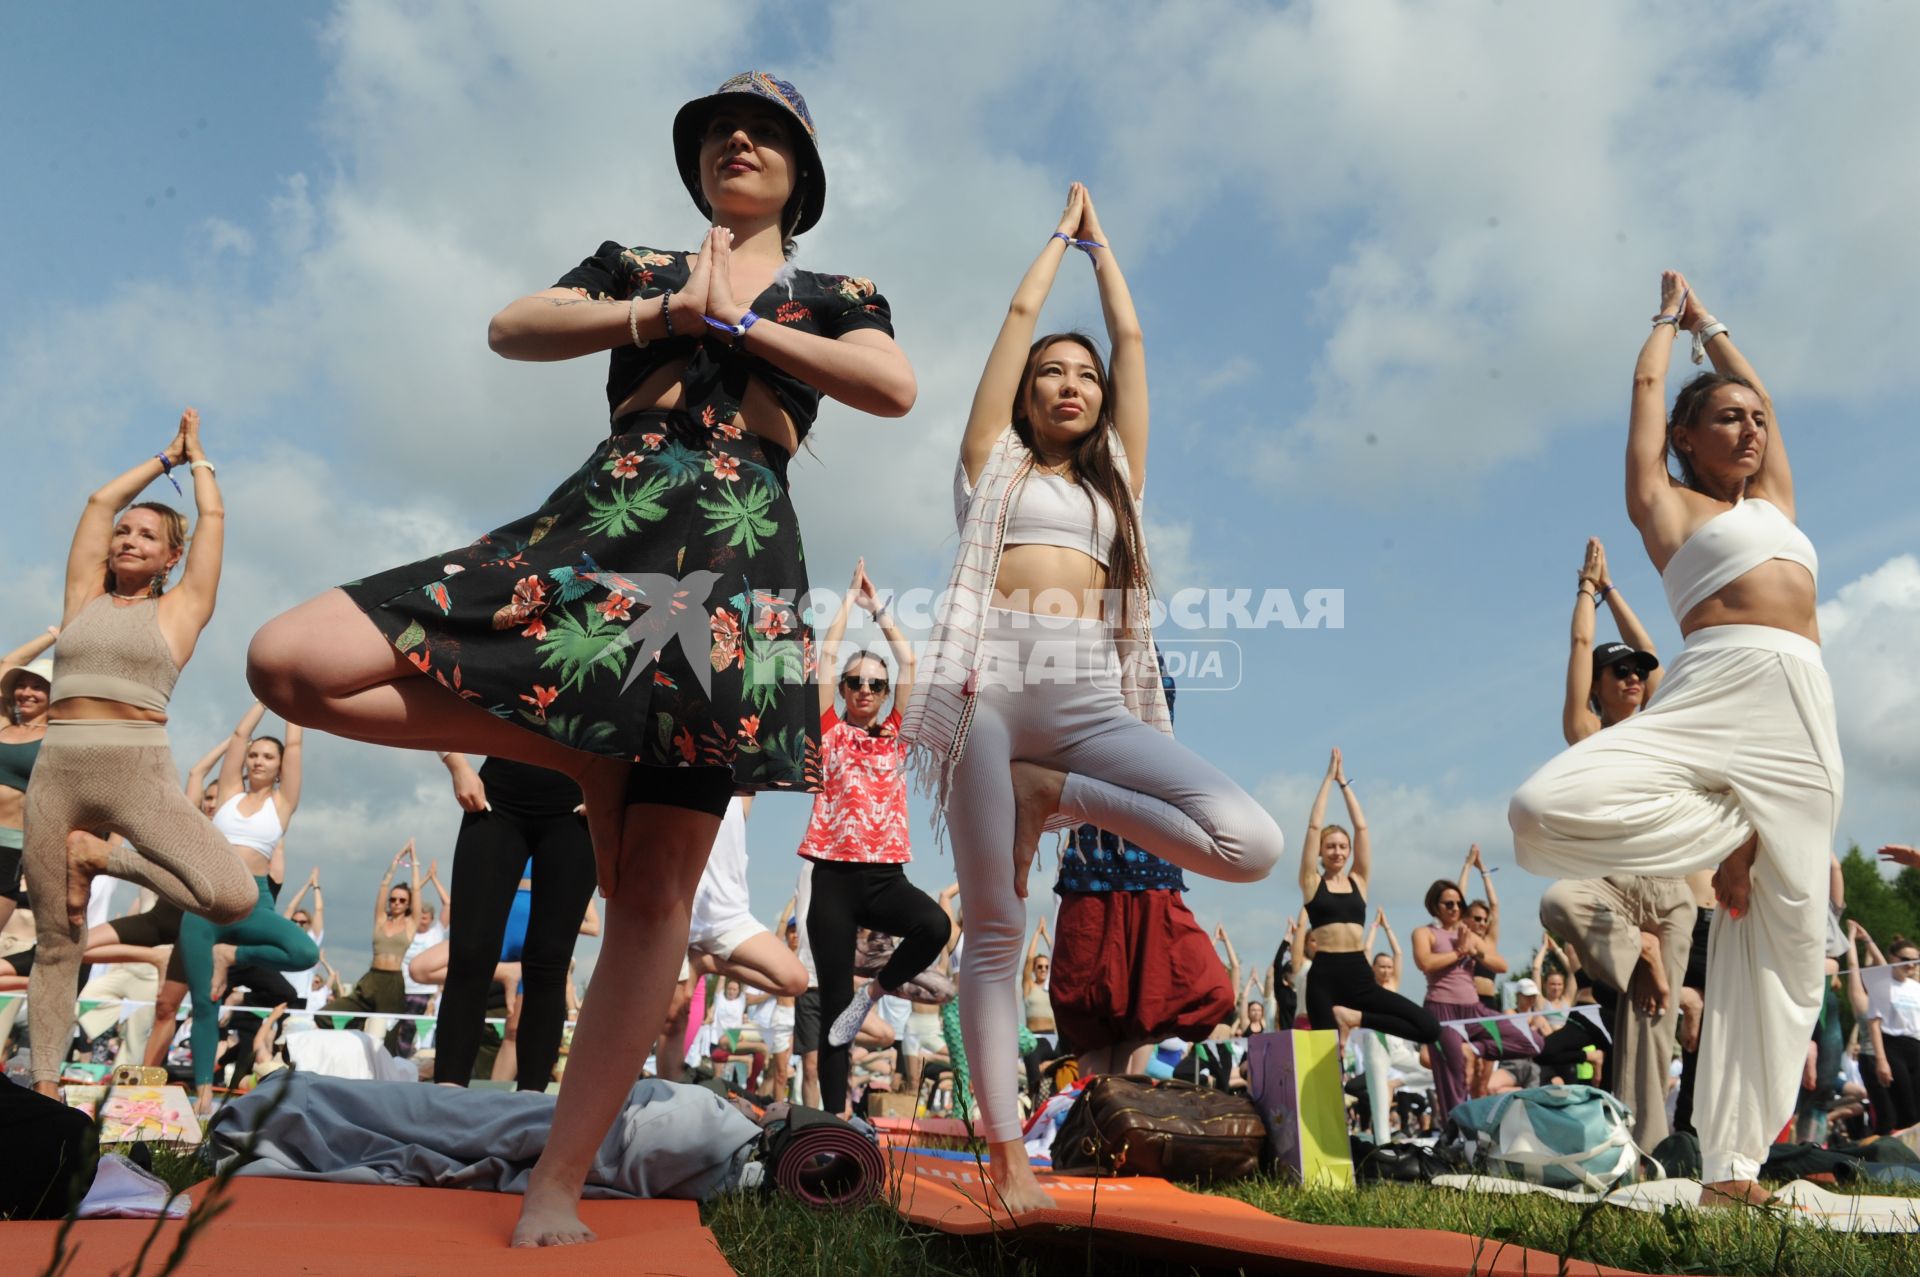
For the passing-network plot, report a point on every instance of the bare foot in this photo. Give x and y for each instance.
(550, 1216)
(1648, 986)
(86, 860)
(1346, 1020)
(1732, 880)
(222, 962)
(1014, 1187)
(1734, 1192)
(1036, 796)
(603, 787)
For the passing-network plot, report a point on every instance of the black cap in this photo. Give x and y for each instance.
(1610, 654)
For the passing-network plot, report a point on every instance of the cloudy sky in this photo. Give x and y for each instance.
(1393, 260)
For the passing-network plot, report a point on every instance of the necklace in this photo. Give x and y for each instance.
(132, 598)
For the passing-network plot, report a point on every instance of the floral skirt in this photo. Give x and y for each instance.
(650, 609)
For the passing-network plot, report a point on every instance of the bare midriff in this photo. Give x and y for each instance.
(1778, 593)
(93, 707)
(257, 864)
(13, 805)
(1050, 580)
(760, 410)
(1339, 937)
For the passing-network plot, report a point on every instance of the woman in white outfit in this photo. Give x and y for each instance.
(1043, 705)
(1737, 762)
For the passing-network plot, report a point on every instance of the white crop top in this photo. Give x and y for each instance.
(1049, 510)
(1730, 545)
(259, 831)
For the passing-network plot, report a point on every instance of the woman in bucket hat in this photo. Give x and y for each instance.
(552, 640)
(24, 684)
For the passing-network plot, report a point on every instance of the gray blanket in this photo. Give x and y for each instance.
(670, 1141)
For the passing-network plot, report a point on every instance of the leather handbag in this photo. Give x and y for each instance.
(1160, 1126)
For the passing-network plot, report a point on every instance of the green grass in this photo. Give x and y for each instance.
(774, 1236)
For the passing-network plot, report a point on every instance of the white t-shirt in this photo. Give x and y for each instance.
(422, 941)
(100, 903)
(302, 981)
(1901, 1015)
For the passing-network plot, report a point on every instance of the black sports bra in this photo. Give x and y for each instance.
(1336, 906)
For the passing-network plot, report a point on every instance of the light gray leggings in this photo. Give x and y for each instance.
(1050, 694)
(112, 777)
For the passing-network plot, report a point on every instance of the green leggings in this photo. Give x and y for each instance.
(262, 938)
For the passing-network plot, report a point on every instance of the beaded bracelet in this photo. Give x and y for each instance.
(666, 310)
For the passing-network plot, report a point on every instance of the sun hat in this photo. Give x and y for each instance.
(41, 669)
(810, 183)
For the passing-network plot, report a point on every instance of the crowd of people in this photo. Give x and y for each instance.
(628, 716)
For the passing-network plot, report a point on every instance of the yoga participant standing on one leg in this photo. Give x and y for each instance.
(858, 840)
(640, 631)
(1444, 952)
(515, 817)
(1633, 933)
(382, 990)
(1482, 917)
(24, 684)
(1042, 705)
(1738, 762)
(104, 767)
(259, 792)
(1343, 993)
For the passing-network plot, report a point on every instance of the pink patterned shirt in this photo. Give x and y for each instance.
(860, 813)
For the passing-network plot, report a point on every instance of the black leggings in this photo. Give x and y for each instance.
(488, 857)
(1903, 1053)
(847, 897)
(1346, 980)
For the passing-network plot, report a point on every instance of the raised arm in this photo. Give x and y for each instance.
(1361, 867)
(1316, 819)
(1632, 632)
(1856, 988)
(197, 774)
(903, 660)
(1577, 719)
(1233, 958)
(1000, 381)
(386, 885)
(191, 602)
(233, 761)
(1651, 502)
(1127, 376)
(1774, 482)
(31, 648)
(1299, 954)
(1033, 951)
(312, 883)
(827, 674)
(292, 772)
(446, 906)
(1393, 942)
(93, 537)
(1493, 897)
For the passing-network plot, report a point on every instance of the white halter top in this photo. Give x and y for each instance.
(1730, 545)
(258, 831)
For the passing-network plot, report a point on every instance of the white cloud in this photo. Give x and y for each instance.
(1867, 634)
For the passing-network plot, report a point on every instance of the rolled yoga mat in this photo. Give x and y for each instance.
(822, 1160)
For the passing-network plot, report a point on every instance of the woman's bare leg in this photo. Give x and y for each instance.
(324, 665)
(644, 942)
(766, 964)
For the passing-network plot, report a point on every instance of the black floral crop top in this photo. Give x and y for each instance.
(716, 376)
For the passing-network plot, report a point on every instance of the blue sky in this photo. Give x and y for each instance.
(1393, 261)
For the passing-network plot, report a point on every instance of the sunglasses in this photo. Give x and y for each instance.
(854, 683)
(1626, 670)
(1448, 904)
(391, 899)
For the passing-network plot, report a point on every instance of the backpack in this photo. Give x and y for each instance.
(1558, 1136)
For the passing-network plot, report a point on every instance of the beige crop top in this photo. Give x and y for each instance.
(1048, 509)
(115, 654)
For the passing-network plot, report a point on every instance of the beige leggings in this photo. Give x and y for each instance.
(104, 778)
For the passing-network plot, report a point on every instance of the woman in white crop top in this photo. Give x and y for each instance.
(1737, 763)
(257, 792)
(1054, 729)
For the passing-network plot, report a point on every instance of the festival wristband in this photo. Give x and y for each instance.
(739, 330)
(1084, 245)
(166, 468)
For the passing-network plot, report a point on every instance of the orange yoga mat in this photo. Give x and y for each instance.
(283, 1226)
(1151, 1216)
